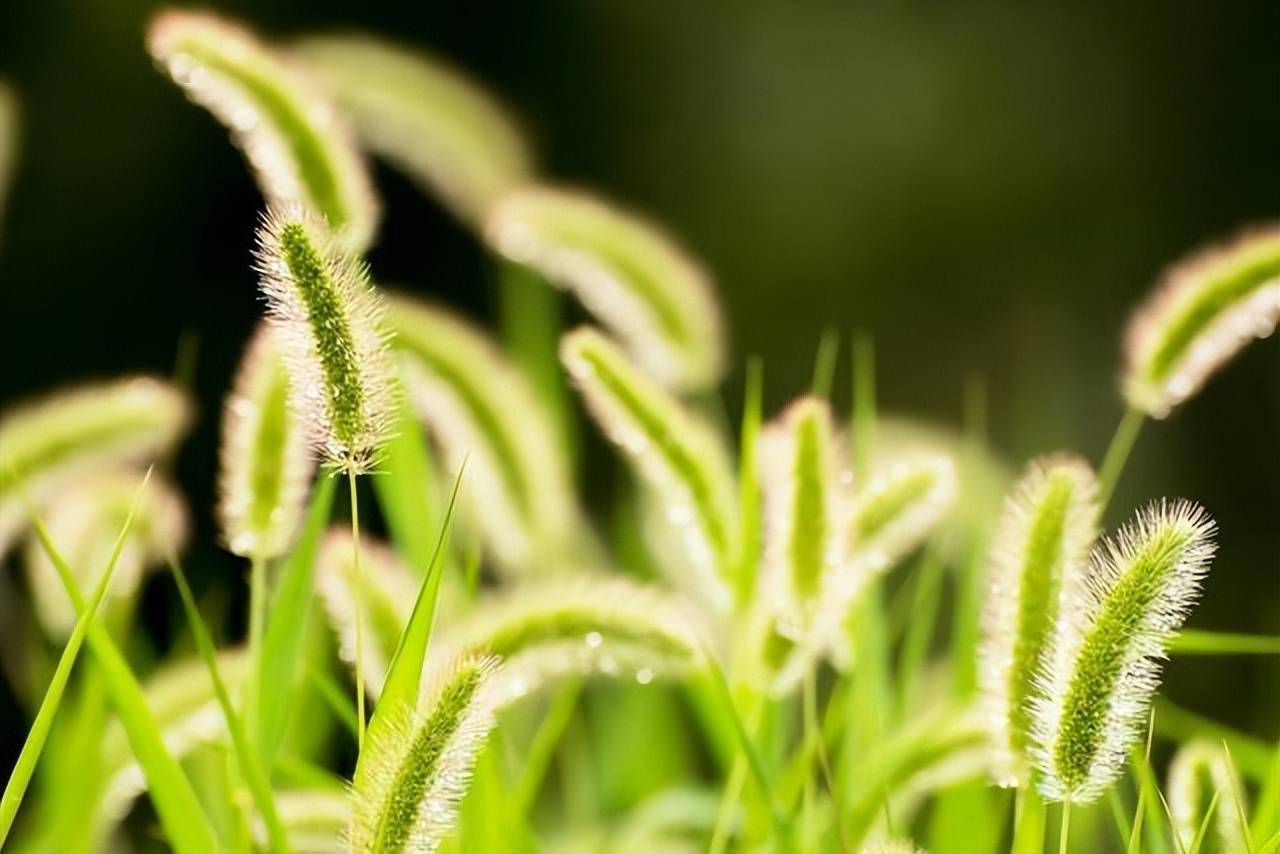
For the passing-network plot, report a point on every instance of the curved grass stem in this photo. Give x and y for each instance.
(1118, 452)
(1065, 833)
(257, 624)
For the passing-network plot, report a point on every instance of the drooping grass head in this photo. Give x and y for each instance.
(329, 321)
(1205, 310)
(1104, 665)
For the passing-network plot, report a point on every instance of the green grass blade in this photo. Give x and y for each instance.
(185, 824)
(749, 498)
(16, 787)
(531, 316)
(282, 640)
(400, 689)
(1267, 814)
(1193, 642)
(255, 777)
(406, 489)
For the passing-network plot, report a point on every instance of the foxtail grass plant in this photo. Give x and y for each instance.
(722, 659)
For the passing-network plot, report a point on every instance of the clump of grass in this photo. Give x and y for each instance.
(440, 128)
(651, 296)
(1103, 665)
(1205, 310)
(54, 441)
(85, 520)
(417, 767)
(265, 465)
(1042, 543)
(481, 408)
(297, 144)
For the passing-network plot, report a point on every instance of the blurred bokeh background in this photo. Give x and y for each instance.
(985, 188)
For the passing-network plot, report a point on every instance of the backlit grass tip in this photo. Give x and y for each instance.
(1046, 530)
(329, 324)
(265, 460)
(1204, 311)
(1104, 663)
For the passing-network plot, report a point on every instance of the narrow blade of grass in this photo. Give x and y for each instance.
(282, 641)
(16, 788)
(185, 824)
(255, 777)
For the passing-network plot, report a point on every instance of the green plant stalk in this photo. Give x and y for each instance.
(863, 419)
(282, 640)
(824, 363)
(530, 317)
(358, 594)
(250, 767)
(25, 767)
(257, 624)
(541, 751)
(1117, 454)
(184, 821)
(749, 539)
(915, 647)
(1028, 822)
(1192, 642)
(337, 700)
(407, 488)
(1064, 834)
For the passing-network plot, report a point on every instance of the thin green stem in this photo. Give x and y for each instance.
(358, 595)
(1118, 452)
(1028, 821)
(543, 747)
(728, 804)
(809, 703)
(1065, 834)
(257, 624)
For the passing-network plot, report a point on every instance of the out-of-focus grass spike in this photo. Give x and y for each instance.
(1104, 663)
(1200, 772)
(653, 298)
(33, 746)
(265, 462)
(519, 486)
(85, 520)
(418, 766)
(329, 330)
(805, 498)
(65, 436)
(8, 142)
(678, 455)
(1204, 311)
(580, 626)
(434, 124)
(300, 149)
(387, 593)
(1048, 525)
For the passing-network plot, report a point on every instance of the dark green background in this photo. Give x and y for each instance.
(987, 188)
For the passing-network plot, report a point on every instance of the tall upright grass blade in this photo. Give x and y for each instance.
(750, 499)
(404, 675)
(63, 437)
(254, 775)
(25, 765)
(654, 299)
(430, 121)
(287, 618)
(265, 464)
(386, 593)
(477, 405)
(675, 453)
(85, 519)
(185, 824)
(1200, 773)
(1104, 662)
(582, 626)
(1204, 311)
(329, 322)
(1048, 525)
(8, 143)
(416, 768)
(300, 149)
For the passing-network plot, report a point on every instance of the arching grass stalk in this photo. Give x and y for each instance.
(1117, 455)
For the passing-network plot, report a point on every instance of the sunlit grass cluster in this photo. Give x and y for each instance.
(809, 630)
